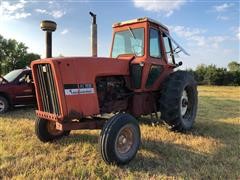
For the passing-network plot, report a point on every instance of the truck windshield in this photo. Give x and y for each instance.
(11, 76)
(130, 41)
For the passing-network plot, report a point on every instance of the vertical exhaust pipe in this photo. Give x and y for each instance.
(94, 35)
(49, 27)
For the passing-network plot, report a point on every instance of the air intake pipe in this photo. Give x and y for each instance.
(94, 35)
(49, 27)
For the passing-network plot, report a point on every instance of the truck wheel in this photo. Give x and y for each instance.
(46, 130)
(178, 101)
(4, 105)
(120, 139)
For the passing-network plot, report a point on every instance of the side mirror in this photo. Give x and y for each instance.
(180, 63)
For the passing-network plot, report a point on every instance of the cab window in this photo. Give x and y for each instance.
(130, 41)
(154, 44)
(168, 49)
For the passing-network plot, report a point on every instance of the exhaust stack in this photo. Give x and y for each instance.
(49, 27)
(94, 35)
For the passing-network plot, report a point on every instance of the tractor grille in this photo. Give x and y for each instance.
(47, 88)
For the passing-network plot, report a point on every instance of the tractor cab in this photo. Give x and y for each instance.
(144, 36)
(154, 51)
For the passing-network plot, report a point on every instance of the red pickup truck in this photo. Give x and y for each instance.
(16, 89)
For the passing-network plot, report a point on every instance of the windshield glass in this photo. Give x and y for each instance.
(130, 41)
(11, 76)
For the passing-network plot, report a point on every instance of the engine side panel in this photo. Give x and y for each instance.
(78, 78)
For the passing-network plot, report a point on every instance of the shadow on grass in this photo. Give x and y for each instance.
(26, 112)
(23, 108)
(223, 131)
(211, 108)
(167, 158)
(79, 138)
(161, 157)
(174, 159)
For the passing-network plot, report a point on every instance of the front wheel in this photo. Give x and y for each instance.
(46, 130)
(120, 139)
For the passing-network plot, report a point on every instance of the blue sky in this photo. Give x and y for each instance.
(208, 30)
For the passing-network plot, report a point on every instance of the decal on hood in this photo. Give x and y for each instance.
(76, 89)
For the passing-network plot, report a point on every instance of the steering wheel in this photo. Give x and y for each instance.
(137, 46)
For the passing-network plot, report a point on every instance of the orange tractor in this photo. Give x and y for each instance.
(137, 79)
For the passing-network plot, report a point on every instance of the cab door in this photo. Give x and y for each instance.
(24, 89)
(156, 66)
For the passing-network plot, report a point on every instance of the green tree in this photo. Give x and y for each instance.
(212, 75)
(234, 66)
(14, 51)
(200, 73)
(14, 55)
(3, 44)
(26, 60)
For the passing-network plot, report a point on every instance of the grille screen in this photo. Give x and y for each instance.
(47, 89)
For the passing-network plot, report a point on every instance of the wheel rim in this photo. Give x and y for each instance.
(184, 103)
(2, 106)
(125, 140)
(51, 127)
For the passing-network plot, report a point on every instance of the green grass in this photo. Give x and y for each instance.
(211, 150)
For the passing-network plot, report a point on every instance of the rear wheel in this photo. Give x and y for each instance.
(46, 130)
(178, 101)
(4, 105)
(120, 139)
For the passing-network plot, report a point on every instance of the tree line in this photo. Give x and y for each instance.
(213, 75)
(14, 55)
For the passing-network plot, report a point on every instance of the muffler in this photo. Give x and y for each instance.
(93, 35)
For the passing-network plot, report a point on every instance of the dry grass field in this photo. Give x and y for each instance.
(210, 151)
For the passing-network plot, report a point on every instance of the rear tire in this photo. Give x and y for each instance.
(46, 131)
(178, 101)
(120, 139)
(4, 105)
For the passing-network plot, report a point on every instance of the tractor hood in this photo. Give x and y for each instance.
(89, 65)
(75, 78)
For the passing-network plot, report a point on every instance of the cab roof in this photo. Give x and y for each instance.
(144, 19)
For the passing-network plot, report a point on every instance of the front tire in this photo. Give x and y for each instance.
(120, 139)
(178, 101)
(4, 105)
(46, 130)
